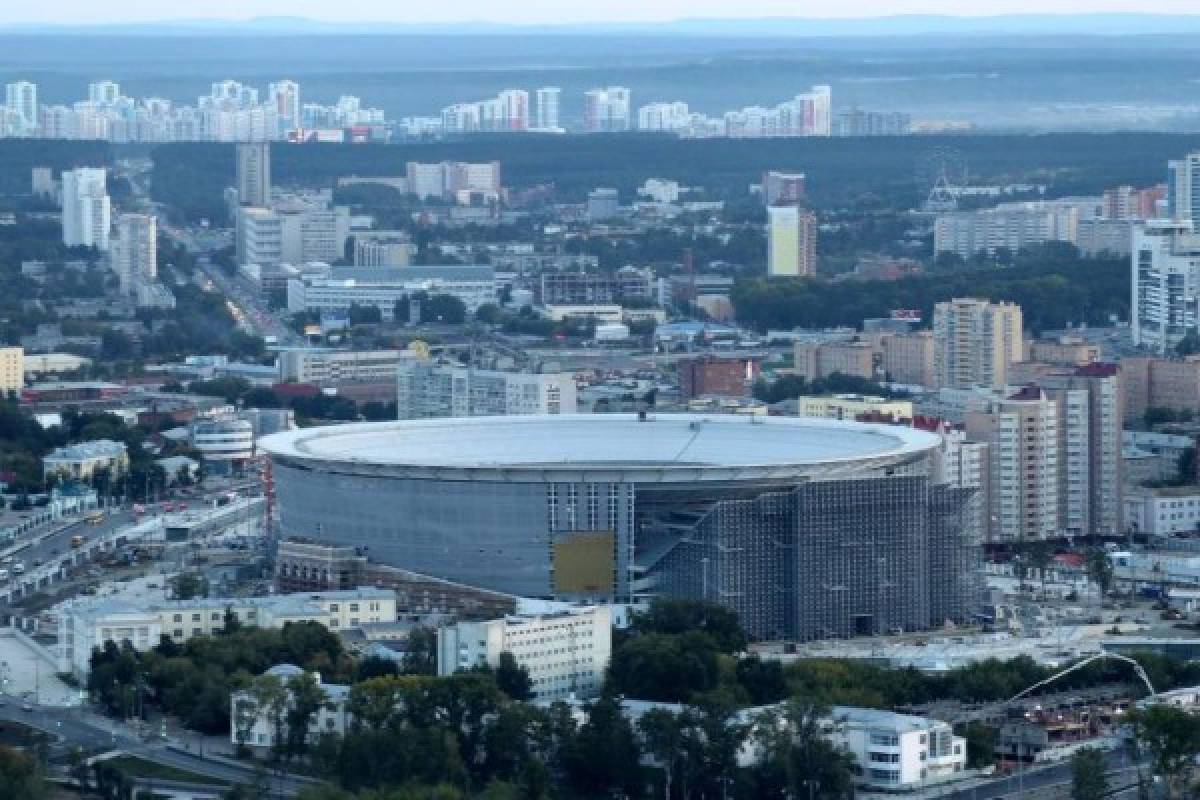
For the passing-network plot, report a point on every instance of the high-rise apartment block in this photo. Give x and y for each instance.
(12, 369)
(86, 210)
(1022, 434)
(783, 188)
(254, 174)
(1183, 189)
(447, 389)
(547, 109)
(606, 110)
(104, 93)
(284, 97)
(1165, 274)
(21, 103)
(135, 251)
(659, 117)
(908, 357)
(975, 342)
(791, 241)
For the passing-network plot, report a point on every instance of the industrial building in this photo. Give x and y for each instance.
(808, 528)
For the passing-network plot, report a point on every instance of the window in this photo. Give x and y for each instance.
(179, 617)
(195, 617)
(354, 607)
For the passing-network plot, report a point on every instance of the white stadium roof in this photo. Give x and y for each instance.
(662, 444)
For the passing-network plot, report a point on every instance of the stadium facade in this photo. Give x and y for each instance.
(808, 528)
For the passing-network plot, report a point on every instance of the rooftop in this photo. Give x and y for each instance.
(662, 443)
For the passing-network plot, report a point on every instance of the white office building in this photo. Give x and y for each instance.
(1165, 283)
(87, 623)
(897, 751)
(381, 287)
(565, 653)
(450, 389)
(225, 440)
(86, 210)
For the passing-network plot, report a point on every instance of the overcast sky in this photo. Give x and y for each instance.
(542, 11)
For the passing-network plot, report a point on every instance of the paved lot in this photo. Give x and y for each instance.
(27, 675)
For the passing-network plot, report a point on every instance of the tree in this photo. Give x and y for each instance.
(682, 616)
(1088, 779)
(512, 678)
(981, 744)
(187, 585)
(798, 760)
(1172, 737)
(606, 731)
(306, 700)
(420, 655)
(663, 739)
(1099, 569)
(20, 776)
(444, 308)
(666, 668)
(270, 698)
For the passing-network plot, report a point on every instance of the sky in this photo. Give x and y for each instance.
(75, 12)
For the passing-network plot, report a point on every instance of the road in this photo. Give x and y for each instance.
(1122, 771)
(86, 730)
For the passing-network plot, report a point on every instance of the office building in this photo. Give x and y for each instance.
(87, 623)
(565, 653)
(975, 342)
(254, 174)
(335, 367)
(606, 110)
(12, 369)
(807, 528)
(595, 288)
(224, 440)
(1021, 430)
(383, 249)
(547, 109)
(713, 375)
(263, 728)
(135, 251)
(783, 188)
(1162, 511)
(791, 241)
(1165, 270)
(382, 287)
(294, 230)
(86, 210)
(428, 389)
(602, 205)
(21, 103)
(81, 462)
(449, 178)
(897, 752)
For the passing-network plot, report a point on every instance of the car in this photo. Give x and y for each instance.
(26, 707)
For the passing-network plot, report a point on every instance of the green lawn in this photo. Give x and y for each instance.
(136, 767)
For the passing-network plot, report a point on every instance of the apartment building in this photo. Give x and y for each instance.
(565, 653)
(975, 342)
(1166, 283)
(853, 406)
(791, 241)
(448, 389)
(861, 358)
(1160, 383)
(908, 358)
(324, 367)
(1021, 430)
(86, 208)
(382, 287)
(80, 462)
(12, 369)
(86, 624)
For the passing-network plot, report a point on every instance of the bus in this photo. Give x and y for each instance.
(94, 518)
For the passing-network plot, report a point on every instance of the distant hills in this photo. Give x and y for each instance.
(1105, 24)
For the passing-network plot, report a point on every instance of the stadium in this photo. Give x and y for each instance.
(808, 528)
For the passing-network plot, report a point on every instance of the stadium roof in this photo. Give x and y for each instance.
(668, 445)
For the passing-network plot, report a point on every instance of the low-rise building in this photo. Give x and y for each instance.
(1163, 511)
(898, 751)
(853, 406)
(80, 462)
(260, 728)
(565, 653)
(324, 367)
(86, 624)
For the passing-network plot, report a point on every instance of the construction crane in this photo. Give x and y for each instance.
(1101, 656)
